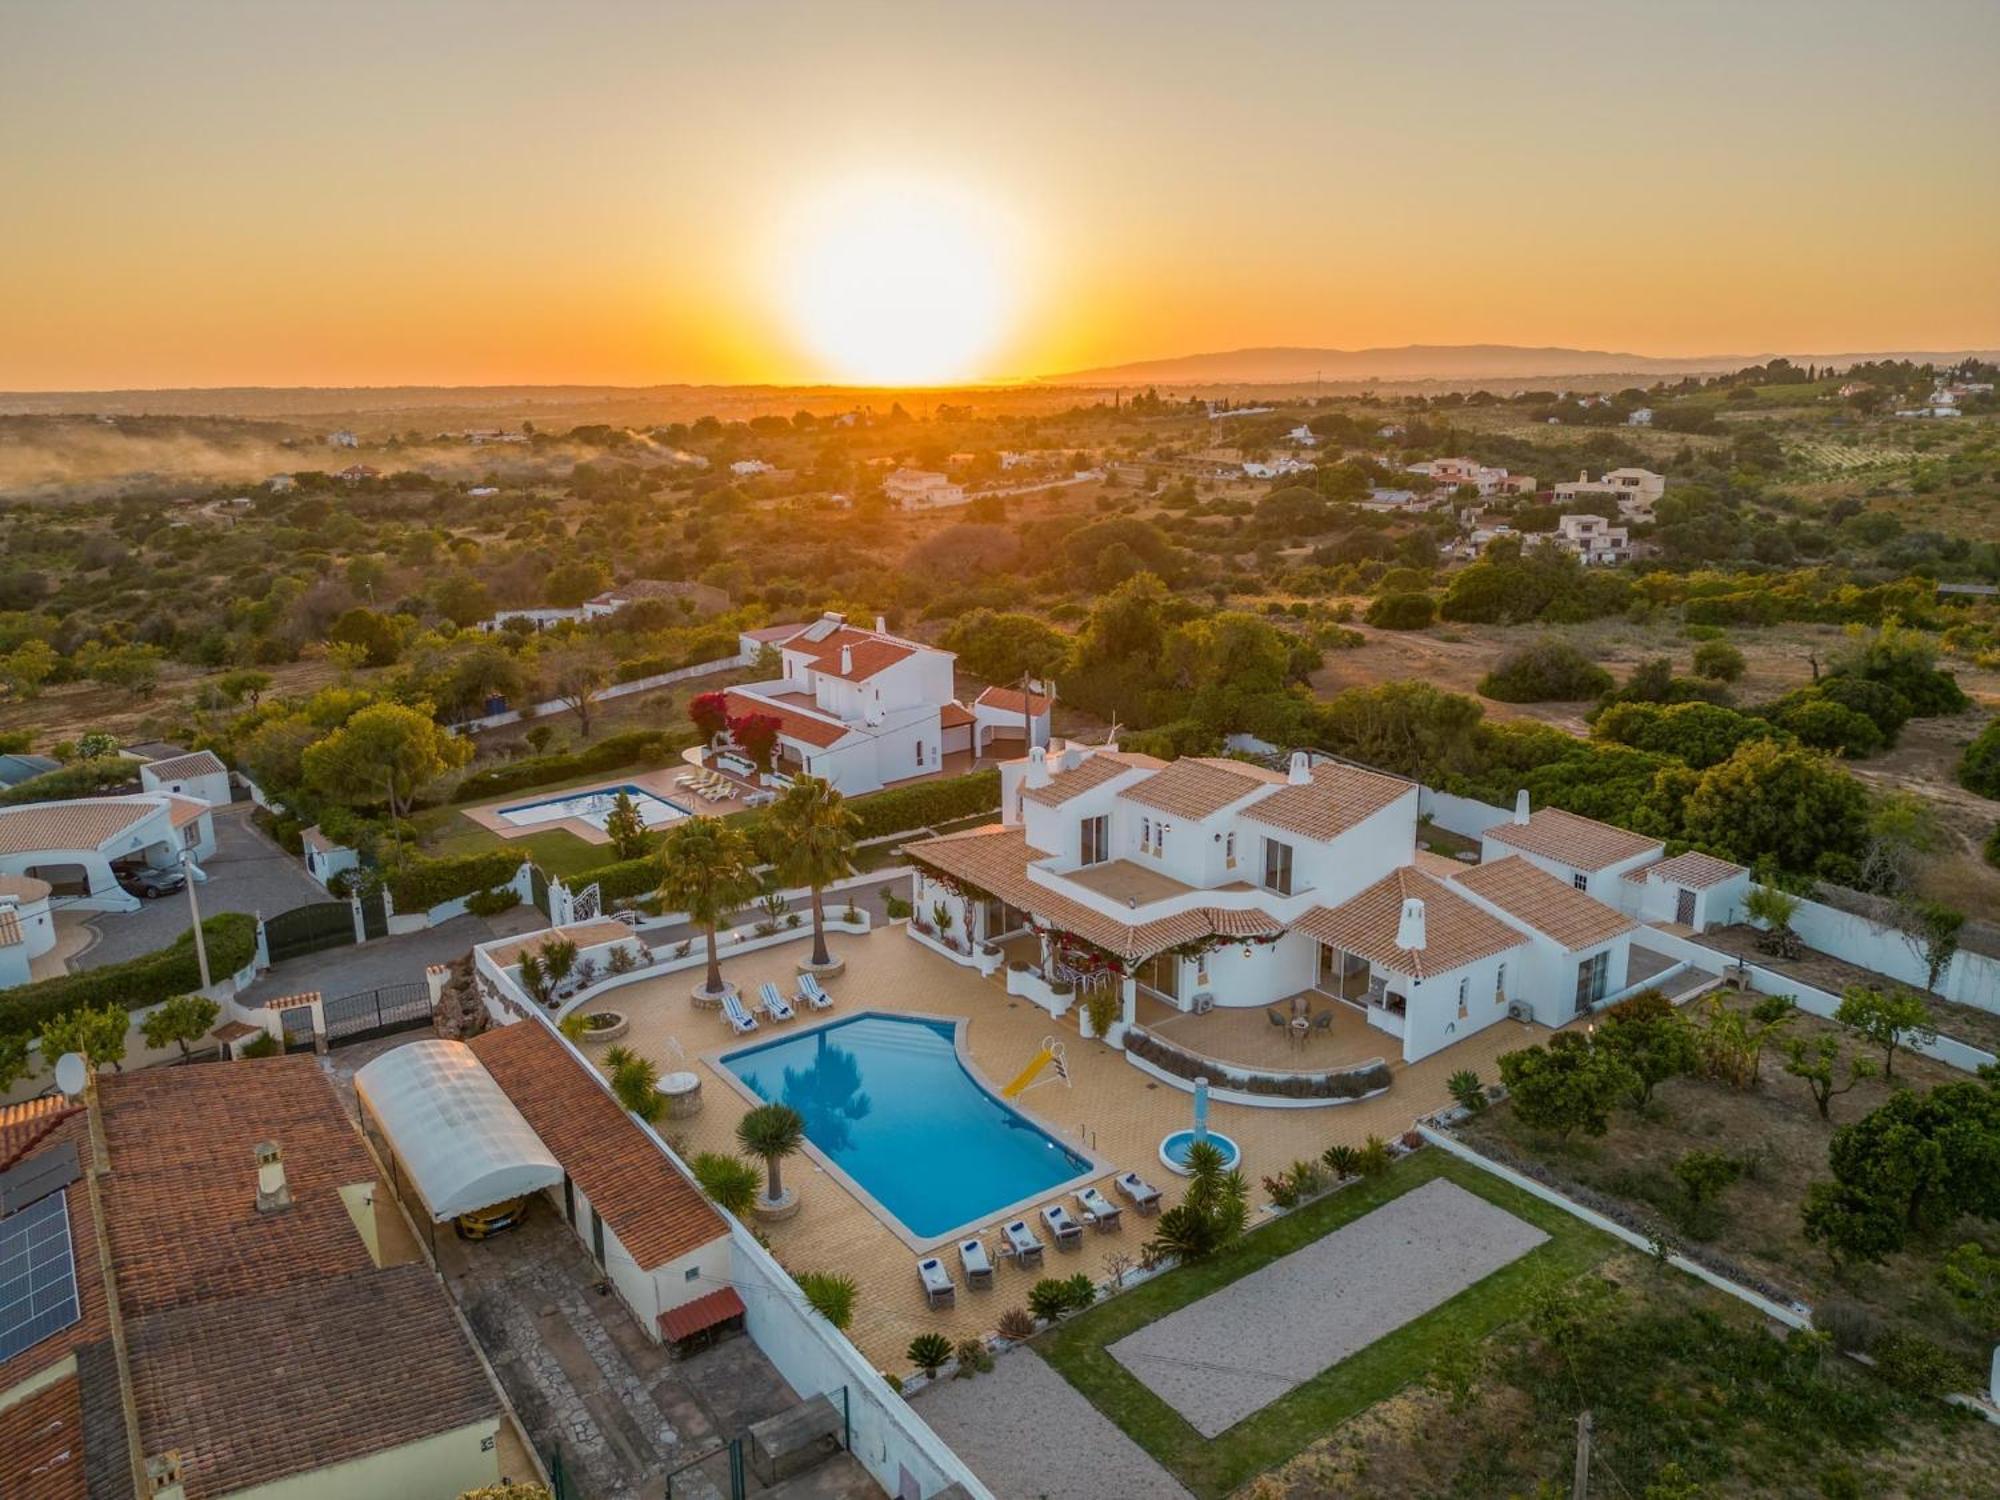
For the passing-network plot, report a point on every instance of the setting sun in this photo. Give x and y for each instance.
(897, 282)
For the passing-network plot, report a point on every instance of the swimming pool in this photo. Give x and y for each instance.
(593, 807)
(888, 1103)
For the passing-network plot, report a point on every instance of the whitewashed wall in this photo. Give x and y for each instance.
(1465, 816)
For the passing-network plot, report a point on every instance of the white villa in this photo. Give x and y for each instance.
(1591, 539)
(1636, 491)
(1216, 884)
(201, 776)
(865, 709)
(1450, 473)
(77, 847)
(919, 489)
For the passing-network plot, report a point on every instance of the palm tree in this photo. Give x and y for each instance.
(1211, 1213)
(774, 1132)
(708, 876)
(729, 1180)
(812, 835)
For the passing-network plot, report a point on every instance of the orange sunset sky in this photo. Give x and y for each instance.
(368, 193)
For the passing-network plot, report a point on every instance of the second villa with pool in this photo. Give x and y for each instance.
(1205, 885)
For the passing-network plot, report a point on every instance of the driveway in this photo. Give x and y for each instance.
(390, 960)
(247, 873)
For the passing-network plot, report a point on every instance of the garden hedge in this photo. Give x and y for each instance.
(622, 879)
(901, 809)
(608, 754)
(85, 778)
(423, 883)
(231, 938)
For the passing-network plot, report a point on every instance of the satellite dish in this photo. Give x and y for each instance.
(72, 1074)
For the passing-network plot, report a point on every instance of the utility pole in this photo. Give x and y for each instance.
(194, 912)
(1579, 1486)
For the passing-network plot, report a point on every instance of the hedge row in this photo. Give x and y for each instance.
(621, 880)
(424, 883)
(609, 754)
(85, 778)
(901, 809)
(231, 939)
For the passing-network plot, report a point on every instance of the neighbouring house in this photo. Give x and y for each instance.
(919, 489)
(701, 598)
(1487, 481)
(201, 776)
(342, 440)
(1003, 713)
(226, 1301)
(1219, 883)
(1639, 416)
(80, 845)
(1591, 539)
(281, 484)
(745, 467)
(1303, 435)
(15, 769)
(1636, 491)
(355, 473)
(1277, 468)
(325, 858)
(1695, 890)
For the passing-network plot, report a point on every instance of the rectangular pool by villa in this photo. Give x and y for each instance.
(892, 1108)
(593, 807)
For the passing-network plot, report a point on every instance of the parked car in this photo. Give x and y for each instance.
(484, 1223)
(149, 882)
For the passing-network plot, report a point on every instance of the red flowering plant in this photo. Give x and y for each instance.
(756, 735)
(710, 714)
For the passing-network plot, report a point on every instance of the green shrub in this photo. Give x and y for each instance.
(1910, 1362)
(901, 809)
(1979, 769)
(622, 879)
(492, 903)
(1466, 1089)
(612, 753)
(261, 1045)
(420, 884)
(231, 938)
(83, 778)
(928, 1352)
(1547, 671)
(1402, 612)
(1719, 660)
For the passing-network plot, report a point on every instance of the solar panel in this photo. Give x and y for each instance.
(37, 1275)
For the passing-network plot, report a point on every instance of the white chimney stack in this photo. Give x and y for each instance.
(881, 624)
(1410, 928)
(1038, 768)
(1521, 806)
(274, 1194)
(1301, 771)
(846, 661)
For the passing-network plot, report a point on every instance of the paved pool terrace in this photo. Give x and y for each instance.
(661, 784)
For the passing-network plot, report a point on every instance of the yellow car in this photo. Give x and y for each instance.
(483, 1224)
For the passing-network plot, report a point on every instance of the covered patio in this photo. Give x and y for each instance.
(1336, 1034)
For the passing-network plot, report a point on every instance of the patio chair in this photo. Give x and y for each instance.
(1068, 1233)
(1098, 1210)
(772, 1003)
(1145, 1197)
(1022, 1244)
(1324, 1021)
(812, 993)
(1276, 1020)
(740, 1020)
(939, 1289)
(978, 1266)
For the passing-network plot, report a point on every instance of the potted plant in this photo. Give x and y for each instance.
(1103, 1009)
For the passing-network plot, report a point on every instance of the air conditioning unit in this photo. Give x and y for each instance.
(1518, 1011)
(1203, 1002)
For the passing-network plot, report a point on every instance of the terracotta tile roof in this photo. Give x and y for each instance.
(996, 859)
(236, 1031)
(25, 889)
(1097, 769)
(1011, 701)
(1337, 798)
(1695, 870)
(1533, 896)
(10, 928)
(185, 810)
(309, 1373)
(81, 823)
(954, 716)
(657, 1214)
(1456, 932)
(701, 1314)
(181, 767)
(23, 1125)
(1197, 787)
(583, 934)
(291, 1002)
(1581, 843)
(41, 1444)
(792, 724)
(869, 653)
(312, 838)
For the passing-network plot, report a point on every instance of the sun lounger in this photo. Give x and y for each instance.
(1098, 1209)
(978, 1267)
(1022, 1244)
(1068, 1233)
(939, 1289)
(1145, 1197)
(812, 993)
(740, 1020)
(772, 1003)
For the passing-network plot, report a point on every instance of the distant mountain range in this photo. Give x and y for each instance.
(1292, 366)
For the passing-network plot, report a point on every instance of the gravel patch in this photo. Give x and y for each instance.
(1031, 1435)
(1240, 1348)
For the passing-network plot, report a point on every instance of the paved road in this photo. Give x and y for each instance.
(247, 873)
(387, 961)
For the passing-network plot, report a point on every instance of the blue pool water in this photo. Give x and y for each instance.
(887, 1100)
(594, 807)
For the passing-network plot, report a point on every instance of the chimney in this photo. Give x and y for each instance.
(846, 661)
(163, 1476)
(1301, 771)
(1072, 756)
(1521, 806)
(1410, 928)
(881, 624)
(274, 1194)
(1038, 769)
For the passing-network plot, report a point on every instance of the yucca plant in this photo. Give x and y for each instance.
(729, 1180)
(636, 1083)
(1342, 1160)
(1464, 1086)
(831, 1294)
(929, 1352)
(773, 1132)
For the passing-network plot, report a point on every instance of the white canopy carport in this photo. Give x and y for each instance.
(460, 1138)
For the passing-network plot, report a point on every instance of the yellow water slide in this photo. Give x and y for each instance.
(1052, 1052)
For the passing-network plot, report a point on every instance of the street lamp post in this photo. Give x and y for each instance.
(194, 912)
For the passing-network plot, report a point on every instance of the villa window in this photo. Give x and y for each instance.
(1160, 841)
(920, 752)
(1096, 840)
(1591, 976)
(1500, 986)
(1580, 880)
(1145, 835)
(1229, 850)
(1277, 867)
(1464, 992)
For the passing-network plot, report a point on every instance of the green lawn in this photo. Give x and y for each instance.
(556, 850)
(1212, 1468)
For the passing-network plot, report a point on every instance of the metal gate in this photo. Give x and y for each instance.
(538, 888)
(297, 1024)
(309, 929)
(372, 1013)
(375, 912)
